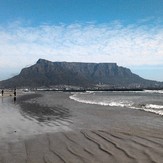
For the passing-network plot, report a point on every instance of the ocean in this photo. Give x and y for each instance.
(147, 100)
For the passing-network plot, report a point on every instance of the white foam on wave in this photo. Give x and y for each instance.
(159, 112)
(73, 97)
(89, 92)
(120, 103)
(153, 91)
(150, 106)
(157, 109)
(103, 103)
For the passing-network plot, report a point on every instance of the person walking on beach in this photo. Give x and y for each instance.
(14, 95)
(2, 92)
(15, 92)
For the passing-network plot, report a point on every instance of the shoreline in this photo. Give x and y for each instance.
(98, 134)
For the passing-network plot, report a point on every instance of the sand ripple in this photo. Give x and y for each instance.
(85, 146)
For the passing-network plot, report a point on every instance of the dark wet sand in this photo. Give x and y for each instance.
(99, 134)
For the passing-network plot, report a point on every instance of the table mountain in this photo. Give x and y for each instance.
(47, 73)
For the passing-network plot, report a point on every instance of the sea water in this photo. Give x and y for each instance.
(147, 100)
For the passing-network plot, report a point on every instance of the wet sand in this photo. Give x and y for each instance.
(98, 134)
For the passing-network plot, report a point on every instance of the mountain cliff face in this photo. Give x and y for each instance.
(46, 73)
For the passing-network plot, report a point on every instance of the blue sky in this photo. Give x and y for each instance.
(128, 32)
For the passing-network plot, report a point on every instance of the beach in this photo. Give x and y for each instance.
(75, 132)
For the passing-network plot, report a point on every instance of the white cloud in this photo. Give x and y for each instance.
(125, 45)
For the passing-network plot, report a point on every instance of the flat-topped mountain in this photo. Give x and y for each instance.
(47, 73)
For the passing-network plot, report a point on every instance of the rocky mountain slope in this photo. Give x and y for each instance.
(47, 73)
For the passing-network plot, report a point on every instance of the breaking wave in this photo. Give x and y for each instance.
(158, 109)
(153, 91)
(103, 103)
(153, 108)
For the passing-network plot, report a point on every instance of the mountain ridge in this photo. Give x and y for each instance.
(47, 73)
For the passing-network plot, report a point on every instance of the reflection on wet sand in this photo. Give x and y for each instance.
(39, 112)
(14, 99)
(21, 117)
(2, 99)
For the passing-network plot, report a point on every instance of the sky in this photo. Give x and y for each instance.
(128, 32)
